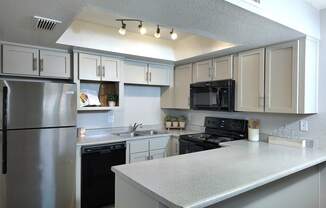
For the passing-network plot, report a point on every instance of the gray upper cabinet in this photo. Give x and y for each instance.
(98, 68)
(177, 96)
(89, 67)
(135, 72)
(143, 73)
(282, 78)
(249, 76)
(18, 60)
(34, 62)
(54, 64)
(223, 68)
(202, 71)
(110, 69)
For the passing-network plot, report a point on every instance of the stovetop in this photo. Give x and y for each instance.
(210, 138)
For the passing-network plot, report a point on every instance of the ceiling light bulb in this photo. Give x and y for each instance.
(142, 29)
(174, 35)
(123, 30)
(157, 34)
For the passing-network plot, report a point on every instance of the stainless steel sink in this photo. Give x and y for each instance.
(139, 133)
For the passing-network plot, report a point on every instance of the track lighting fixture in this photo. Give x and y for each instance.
(123, 30)
(157, 34)
(142, 29)
(173, 34)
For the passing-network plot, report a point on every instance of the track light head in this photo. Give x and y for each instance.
(173, 34)
(142, 29)
(157, 34)
(123, 30)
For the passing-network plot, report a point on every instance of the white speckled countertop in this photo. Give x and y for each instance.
(205, 178)
(102, 137)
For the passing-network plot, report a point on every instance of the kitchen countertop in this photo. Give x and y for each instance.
(110, 138)
(104, 137)
(205, 178)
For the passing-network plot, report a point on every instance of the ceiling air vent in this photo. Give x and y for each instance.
(46, 24)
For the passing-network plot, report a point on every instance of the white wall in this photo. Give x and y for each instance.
(296, 14)
(141, 104)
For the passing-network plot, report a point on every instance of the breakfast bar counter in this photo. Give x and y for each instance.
(241, 174)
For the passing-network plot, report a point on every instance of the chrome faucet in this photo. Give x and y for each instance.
(135, 126)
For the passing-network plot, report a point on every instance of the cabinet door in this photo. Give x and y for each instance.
(281, 92)
(110, 69)
(54, 64)
(135, 72)
(159, 74)
(250, 81)
(223, 68)
(157, 154)
(138, 157)
(20, 60)
(182, 81)
(89, 67)
(202, 71)
(138, 146)
(158, 143)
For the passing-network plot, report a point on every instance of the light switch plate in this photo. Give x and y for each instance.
(304, 125)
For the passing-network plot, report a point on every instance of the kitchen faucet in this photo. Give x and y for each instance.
(135, 126)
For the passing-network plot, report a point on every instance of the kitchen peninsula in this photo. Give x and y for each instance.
(242, 174)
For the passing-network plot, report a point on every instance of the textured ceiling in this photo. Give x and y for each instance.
(319, 4)
(16, 23)
(214, 19)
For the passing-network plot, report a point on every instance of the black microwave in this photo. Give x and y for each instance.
(214, 95)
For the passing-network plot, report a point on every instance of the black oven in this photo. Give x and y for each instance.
(214, 95)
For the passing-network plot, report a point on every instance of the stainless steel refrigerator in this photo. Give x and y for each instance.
(38, 138)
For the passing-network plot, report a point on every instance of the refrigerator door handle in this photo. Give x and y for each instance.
(4, 129)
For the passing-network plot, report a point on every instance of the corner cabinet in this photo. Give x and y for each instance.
(147, 149)
(29, 61)
(143, 73)
(249, 77)
(177, 96)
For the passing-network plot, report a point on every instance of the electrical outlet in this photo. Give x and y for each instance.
(304, 125)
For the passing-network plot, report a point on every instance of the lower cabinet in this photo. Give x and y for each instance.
(147, 149)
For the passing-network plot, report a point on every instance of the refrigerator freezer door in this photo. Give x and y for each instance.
(41, 168)
(40, 104)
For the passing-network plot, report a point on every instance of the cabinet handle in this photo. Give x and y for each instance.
(152, 157)
(98, 71)
(147, 158)
(146, 76)
(34, 64)
(41, 65)
(103, 71)
(150, 76)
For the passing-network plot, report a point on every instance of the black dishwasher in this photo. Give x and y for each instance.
(97, 179)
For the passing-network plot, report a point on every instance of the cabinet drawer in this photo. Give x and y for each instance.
(159, 143)
(138, 146)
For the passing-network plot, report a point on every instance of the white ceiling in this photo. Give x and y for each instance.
(319, 4)
(215, 19)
